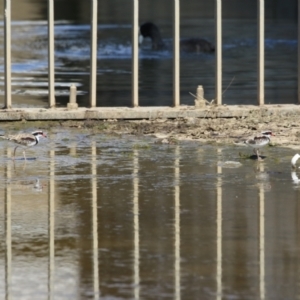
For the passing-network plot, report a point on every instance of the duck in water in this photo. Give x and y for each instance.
(150, 30)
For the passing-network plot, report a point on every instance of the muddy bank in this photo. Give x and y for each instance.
(221, 130)
(211, 130)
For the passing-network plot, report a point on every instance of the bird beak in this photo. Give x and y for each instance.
(44, 135)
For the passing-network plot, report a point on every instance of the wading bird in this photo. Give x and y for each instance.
(24, 140)
(258, 141)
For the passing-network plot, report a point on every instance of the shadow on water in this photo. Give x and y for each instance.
(124, 218)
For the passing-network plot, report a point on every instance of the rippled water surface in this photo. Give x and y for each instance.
(102, 217)
(72, 64)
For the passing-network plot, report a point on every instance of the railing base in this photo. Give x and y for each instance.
(104, 113)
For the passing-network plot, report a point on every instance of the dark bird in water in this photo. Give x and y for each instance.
(150, 30)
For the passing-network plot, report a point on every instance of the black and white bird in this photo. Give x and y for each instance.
(24, 140)
(258, 141)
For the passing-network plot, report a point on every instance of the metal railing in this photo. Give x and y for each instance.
(7, 53)
(261, 52)
(135, 60)
(51, 78)
(218, 78)
(298, 52)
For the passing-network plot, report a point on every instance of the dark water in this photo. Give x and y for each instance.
(72, 38)
(125, 218)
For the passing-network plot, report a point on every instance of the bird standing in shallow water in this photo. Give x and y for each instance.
(24, 140)
(151, 31)
(258, 141)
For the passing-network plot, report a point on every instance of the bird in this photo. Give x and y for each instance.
(294, 160)
(38, 187)
(150, 30)
(294, 166)
(24, 140)
(258, 141)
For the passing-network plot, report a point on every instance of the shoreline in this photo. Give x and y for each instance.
(208, 130)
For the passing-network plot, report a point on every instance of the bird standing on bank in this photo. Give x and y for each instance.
(258, 141)
(24, 140)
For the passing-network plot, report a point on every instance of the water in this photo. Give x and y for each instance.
(125, 218)
(72, 39)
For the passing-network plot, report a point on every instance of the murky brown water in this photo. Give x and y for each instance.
(124, 218)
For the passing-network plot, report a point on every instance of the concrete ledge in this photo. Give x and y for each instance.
(99, 113)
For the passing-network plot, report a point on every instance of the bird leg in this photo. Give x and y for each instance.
(257, 154)
(15, 152)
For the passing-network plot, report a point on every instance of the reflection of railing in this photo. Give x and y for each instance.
(7, 211)
(177, 269)
(95, 222)
(261, 194)
(219, 220)
(218, 241)
(136, 226)
(51, 226)
(135, 62)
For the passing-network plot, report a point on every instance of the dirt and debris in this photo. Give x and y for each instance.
(211, 130)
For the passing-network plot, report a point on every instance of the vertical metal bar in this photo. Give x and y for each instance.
(261, 54)
(7, 52)
(51, 226)
(219, 273)
(218, 74)
(176, 57)
(136, 225)
(95, 222)
(8, 242)
(93, 59)
(298, 51)
(262, 250)
(135, 54)
(51, 53)
(177, 233)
